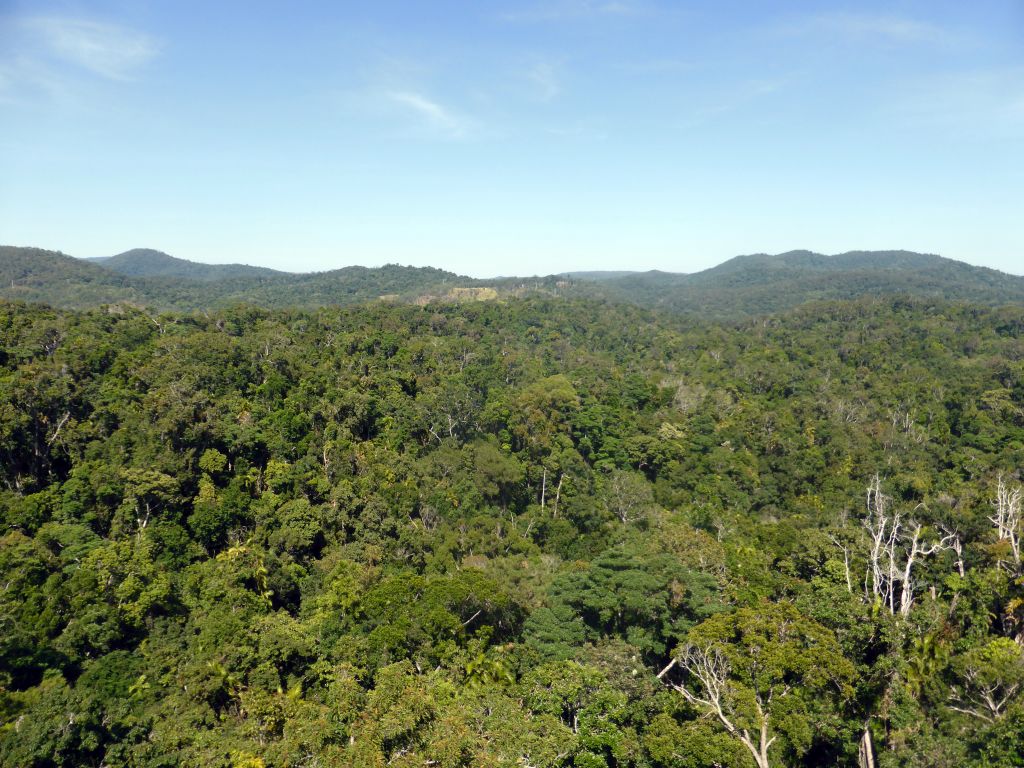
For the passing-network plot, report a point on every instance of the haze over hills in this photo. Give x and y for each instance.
(742, 286)
(602, 275)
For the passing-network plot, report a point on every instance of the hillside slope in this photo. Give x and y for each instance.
(741, 287)
(154, 279)
(764, 283)
(146, 262)
(37, 275)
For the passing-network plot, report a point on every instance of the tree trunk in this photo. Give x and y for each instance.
(558, 494)
(758, 751)
(866, 755)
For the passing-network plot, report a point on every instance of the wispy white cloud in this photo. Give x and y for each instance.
(662, 66)
(566, 10)
(589, 130)
(545, 76)
(108, 50)
(21, 75)
(878, 28)
(743, 95)
(434, 115)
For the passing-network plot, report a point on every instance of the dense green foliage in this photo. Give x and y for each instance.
(474, 534)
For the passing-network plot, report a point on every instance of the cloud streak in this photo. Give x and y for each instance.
(435, 116)
(568, 10)
(880, 28)
(21, 75)
(108, 50)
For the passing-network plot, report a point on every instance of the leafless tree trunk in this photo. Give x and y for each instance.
(1007, 517)
(60, 426)
(985, 701)
(883, 532)
(896, 547)
(711, 670)
(917, 549)
(958, 547)
(558, 494)
(846, 562)
(866, 753)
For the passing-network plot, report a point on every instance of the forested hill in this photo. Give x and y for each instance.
(145, 262)
(741, 287)
(763, 283)
(37, 275)
(161, 282)
(473, 535)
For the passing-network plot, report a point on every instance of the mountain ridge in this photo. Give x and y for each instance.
(764, 283)
(149, 262)
(51, 277)
(746, 285)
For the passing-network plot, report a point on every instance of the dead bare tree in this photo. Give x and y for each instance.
(992, 678)
(866, 750)
(896, 547)
(846, 561)
(1007, 517)
(558, 493)
(60, 425)
(711, 670)
(987, 705)
(957, 545)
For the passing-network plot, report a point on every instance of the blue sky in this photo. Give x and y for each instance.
(513, 138)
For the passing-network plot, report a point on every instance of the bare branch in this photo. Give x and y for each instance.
(60, 425)
(1007, 517)
(896, 547)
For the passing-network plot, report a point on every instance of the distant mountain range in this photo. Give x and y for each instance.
(155, 279)
(743, 286)
(764, 283)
